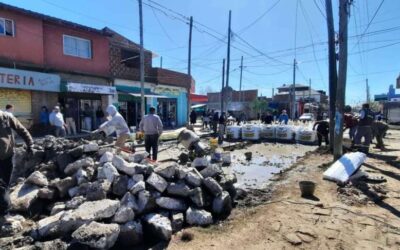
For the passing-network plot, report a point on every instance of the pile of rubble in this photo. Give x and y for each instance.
(86, 194)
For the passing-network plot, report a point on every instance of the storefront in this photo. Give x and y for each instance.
(171, 102)
(86, 100)
(21, 89)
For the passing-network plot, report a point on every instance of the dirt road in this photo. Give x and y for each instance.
(362, 216)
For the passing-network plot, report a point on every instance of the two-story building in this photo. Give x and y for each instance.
(164, 89)
(45, 61)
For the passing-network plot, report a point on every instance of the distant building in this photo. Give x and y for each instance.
(389, 96)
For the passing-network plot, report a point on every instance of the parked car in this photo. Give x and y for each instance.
(307, 117)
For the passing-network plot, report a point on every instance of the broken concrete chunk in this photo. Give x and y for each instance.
(146, 201)
(63, 160)
(200, 162)
(139, 157)
(171, 203)
(181, 172)
(93, 210)
(75, 166)
(130, 201)
(23, 196)
(145, 169)
(98, 190)
(196, 195)
(56, 244)
(64, 184)
(193, 179)
(222, 204)
(211, 171)
(97, 235)
(47, 193)
(124, 214)
(138, 177)
(106, 157)
(107, 171)
(178, 189)
(212, 186)
(166, 169)
(38, 179)
(75, 202)
(159, 226)
(50, 226)
(76, 152)
(139, 186)
(157, 182)
(123, 166)
(198, 217)
(90, 148)
(177, 221)
(131, 233)
(81, 176)
(12, 225)
(57, 208)
(120, 185)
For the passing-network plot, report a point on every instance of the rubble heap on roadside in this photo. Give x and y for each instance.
(83, 193)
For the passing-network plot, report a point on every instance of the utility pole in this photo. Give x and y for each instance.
(141, 61)
(161, 62)
(309, 92)
(341, 85)
(229, 50)
(367, 89)
(223, 85)
(189, 66)
(332, 70)
(240, 84)
(293, 94)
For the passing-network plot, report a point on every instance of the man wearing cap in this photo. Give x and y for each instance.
(152, 127)
(57, 120)
(119, 124)
(8, 123)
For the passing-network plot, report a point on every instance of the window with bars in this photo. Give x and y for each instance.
(79, 47)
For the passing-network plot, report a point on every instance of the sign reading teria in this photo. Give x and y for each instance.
(88, 88)
(28, 80)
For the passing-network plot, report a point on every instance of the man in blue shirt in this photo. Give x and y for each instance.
(283, 117)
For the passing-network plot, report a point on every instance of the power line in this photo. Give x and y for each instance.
(162, 27)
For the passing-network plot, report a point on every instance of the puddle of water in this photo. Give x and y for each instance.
(256, 173)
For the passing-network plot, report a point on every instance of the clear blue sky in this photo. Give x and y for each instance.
(272, 35)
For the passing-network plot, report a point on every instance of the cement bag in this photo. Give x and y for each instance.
(346, 166)
(251, 132)
(268, 132)
(233, 132)
(284, 133)
(306, 135)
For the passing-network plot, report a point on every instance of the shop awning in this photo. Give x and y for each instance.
(139, 94)
(89, 88)
(198, 106)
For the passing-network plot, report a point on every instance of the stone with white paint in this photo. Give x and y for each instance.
(198, 217)
(97, 235)
(156, 181)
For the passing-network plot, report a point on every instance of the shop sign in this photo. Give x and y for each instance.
(166, 91)
(90, 89)
(28, 80)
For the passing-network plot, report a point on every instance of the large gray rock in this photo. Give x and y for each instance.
(38, 179)
(95, 210)
(51, 225)
(123, 215)
(146, 202)
(137, 177)
(171, 203)
(200, 162)
(137, 187)
(145, 169)
(98, 190)
(106, 157)
(120, 185)
(177, 221)
(131, 234)
(75, 166)
(90, 148)
(107, 171)
(76, 152)
(97, 235)
(193, 179)
(58, 207)
(56, 244)
(159, 226)
(123, 166)
(63, 185)
(178, 189)
(138, 157)
(198, 217)
(23, 196)
(63, 160)
(211, 171)
(75, 202)
(47, 193)
(81, 176)
(222, 204)
(196, 195)
(212, 186)
(130, 201)
(157, 182)
(181, 172)
(166, 169)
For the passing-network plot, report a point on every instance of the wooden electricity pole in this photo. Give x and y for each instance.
(189, 66)
(228, 57)
(161, 62)
(143, 104)
(293, 95)
(341, 85)
(223, 85)
(332, 70)
(240, 83)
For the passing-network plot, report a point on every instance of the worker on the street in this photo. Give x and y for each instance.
(9, 109)
(152, 128)
(350, 122)
(215, 120)
(322, 131)
(379, 130)
(9, 123)
(119, 124)
(221, 127)
(364, 126)
(57, 120)
(283, 117)
(193, 117)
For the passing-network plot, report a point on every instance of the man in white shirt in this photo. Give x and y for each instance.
(9, 109)
(152, 127)
(119, 124)
(57, 120)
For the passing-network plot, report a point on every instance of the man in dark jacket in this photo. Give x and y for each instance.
(364, 126)
(322, 131)
(9, 123)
